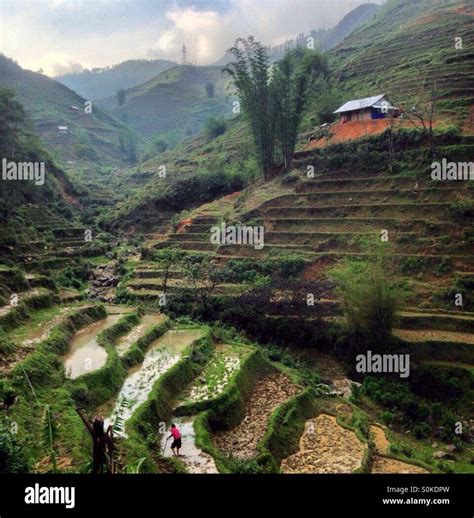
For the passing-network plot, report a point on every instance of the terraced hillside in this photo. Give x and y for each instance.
(174, 100)
(45, 241)
(247, 347)
(50, 104)
(240, 408)
(408, 43)
(332, 217)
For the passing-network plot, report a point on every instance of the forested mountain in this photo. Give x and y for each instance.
(104, 82)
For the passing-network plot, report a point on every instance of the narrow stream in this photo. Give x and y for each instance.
(85, 354)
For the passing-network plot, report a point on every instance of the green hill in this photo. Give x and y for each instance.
(89, 137)
(104, 82)
(348, 24)
(174, 100)
(27, 203)
(406, 43)
(250, 350)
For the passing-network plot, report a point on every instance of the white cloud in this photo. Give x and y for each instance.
(64, 33)
(202, 31)
(71, 67)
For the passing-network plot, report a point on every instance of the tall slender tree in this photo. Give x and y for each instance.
(291, 78)
(273, 97)
(250, 72)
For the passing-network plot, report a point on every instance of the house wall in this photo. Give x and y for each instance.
(357, 115)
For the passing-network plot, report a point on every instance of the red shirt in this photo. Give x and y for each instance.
(175, 433)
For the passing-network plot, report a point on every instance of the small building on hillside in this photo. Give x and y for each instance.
(63, 130)
(369, 108)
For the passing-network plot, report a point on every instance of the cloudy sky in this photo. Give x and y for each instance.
(68, 35)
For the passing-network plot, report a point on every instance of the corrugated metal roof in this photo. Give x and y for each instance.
(359, 104)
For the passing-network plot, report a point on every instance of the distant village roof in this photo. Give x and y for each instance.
(360, 104)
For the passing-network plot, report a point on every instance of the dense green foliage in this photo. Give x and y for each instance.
(369, 298)
(273, 98)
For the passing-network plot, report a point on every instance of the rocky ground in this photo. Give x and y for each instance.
(381, 465)
(241, 442)
(104, 279)
(326, 447)
(381, 443)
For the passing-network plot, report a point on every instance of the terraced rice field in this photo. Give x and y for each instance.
(381, 464)
(147, 322)
(194, 459)
(326, 447)
(220, 369)
(32, 332)
(23, 297)
(161, 355)
(269, 392)
(384, 465)
(336, 216)
(85, 354)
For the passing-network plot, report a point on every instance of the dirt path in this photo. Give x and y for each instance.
(22, 297)
(382, 445)
(195, 460)
(326, 447)
(383, 465)
(268, 394)
(423, 335)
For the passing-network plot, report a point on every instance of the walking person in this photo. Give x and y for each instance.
(176, 444)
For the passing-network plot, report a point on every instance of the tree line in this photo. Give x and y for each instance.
(273, 97)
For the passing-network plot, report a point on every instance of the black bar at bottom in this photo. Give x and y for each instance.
(173, 495)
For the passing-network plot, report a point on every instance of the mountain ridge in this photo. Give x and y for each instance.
(98, 83)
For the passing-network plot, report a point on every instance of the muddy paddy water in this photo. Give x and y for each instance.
(85, 354)
(146, 323)
(195, 460)
(162, 354)
(115, 309)
(225, 362)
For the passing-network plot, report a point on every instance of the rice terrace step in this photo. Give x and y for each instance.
(272, 252)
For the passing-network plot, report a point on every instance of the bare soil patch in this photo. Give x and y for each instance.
(269, 393)
(383, 465)
(326, 447)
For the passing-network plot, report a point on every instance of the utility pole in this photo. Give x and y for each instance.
(184, 55)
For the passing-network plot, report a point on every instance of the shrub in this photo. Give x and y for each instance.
(387, 417)
(12, 458)
(370, 301)
(421, 430)
(246, 467)
(462, 209)
(6, 345)
(214, 127)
